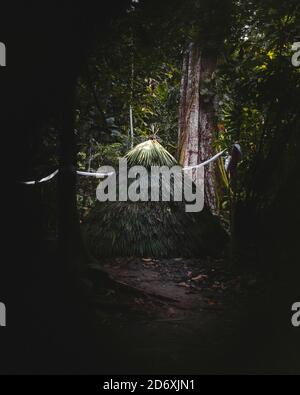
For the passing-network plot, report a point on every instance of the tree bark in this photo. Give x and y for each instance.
(71, 248)
(197, 121)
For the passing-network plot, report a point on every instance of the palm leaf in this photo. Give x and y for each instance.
(150, 153)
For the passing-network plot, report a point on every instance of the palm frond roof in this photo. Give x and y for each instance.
(150, 153)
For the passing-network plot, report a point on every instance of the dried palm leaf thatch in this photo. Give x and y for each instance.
(151, 229)
(150, 153)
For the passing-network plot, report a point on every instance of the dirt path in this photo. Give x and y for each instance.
(177, 316)
(186, 286)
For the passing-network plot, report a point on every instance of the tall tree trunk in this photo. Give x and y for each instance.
(71, 248)
(197, 121)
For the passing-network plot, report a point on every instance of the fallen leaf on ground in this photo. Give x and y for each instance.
(200, 277)
(212, 302)
(171, 312)
(183, 284)
(139, 301)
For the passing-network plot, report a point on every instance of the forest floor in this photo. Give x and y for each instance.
(172, 315)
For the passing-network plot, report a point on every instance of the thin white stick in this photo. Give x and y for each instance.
(89, 174)
(81, 173)
(101, 175)
(206, 162)
(41, 180)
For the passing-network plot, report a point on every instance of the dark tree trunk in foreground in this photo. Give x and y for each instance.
(197, 121)
(71, 248)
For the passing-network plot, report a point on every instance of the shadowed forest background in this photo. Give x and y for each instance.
(92, 287)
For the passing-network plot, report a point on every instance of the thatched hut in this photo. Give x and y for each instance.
(151, 229)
